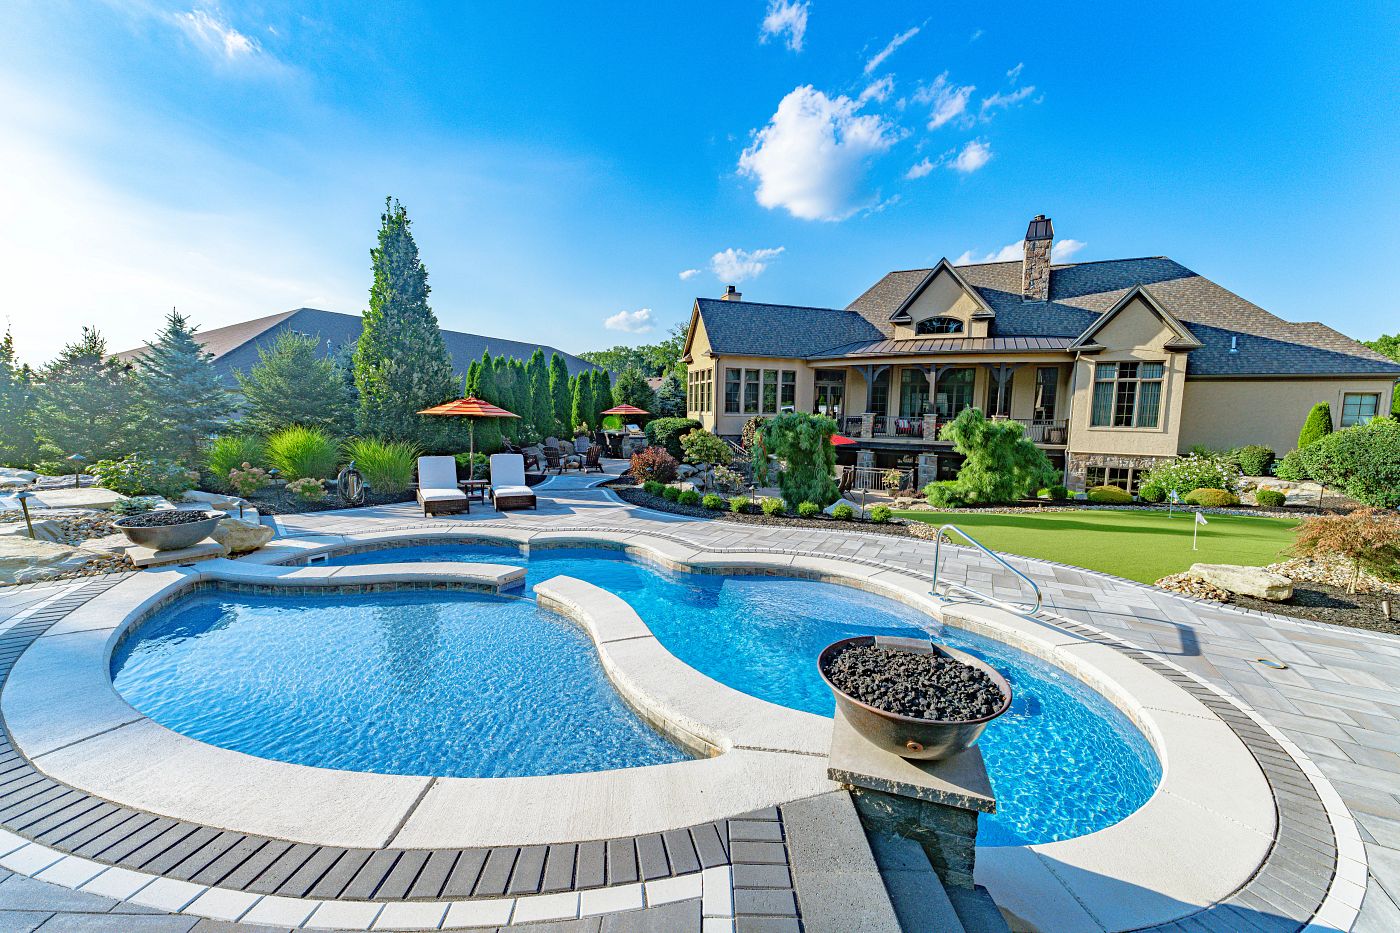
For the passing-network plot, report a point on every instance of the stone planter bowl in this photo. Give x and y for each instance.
(908, 736)
(169, 537)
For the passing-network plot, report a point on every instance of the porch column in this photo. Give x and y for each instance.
(867, 425)
(927, 470)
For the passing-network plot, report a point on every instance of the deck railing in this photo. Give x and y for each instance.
(873, 479)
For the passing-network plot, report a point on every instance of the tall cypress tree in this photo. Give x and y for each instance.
(510, 384)
(291, 383)
(561, 395)
(18, 446)
(401, 362)
(182, 400)
(488, 430)
(541, 414)
(86, 403)
(581, 409)
(602, 395)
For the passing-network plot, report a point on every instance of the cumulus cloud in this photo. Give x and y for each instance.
(812, 157)
(1014, 252)
(216, 37)
(736, 265)
(973, 156)
(1064, 249)
(920, 169)
(890, 48)
(688, 274)
(1000, 101)
(785, 18)
(948, 100)
(631, 322)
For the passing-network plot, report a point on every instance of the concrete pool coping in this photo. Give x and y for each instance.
(1200, 837)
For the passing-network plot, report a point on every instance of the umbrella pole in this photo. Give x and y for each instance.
(471, 455)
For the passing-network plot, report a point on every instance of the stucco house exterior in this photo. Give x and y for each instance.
(1110, 365)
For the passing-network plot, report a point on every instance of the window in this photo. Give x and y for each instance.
(954, 392)
(731, 391)
(1047, 383)
(750, 391)
(1359, 407)
(1124, 478)
(935, 326)
(913, 393)
(829, 392)
(879, 400)
(770, 391)
(787, 395)
(999, 402)
(1127, 395)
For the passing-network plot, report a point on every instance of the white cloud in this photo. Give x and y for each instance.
(920, 169)
(216, 37)
(973, 156)
(879, 91)
(1015, 73)
(1064, 249)
(811, 158)
(631, 322)
(889, 49)
(1000, 101)
(736, 265)
(785, 17)
(949, 100)
(976, 34)
(688, 274)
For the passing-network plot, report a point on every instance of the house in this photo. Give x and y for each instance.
(1110, 366)
(236, 346)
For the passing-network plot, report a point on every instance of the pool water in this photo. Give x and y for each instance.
(427, 682)
(1063, 760)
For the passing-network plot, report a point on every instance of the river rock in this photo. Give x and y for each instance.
(23, 560)
(240, 536)
(1245, 581)
(45, 529)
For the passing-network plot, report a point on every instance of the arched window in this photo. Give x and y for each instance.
(938, 325)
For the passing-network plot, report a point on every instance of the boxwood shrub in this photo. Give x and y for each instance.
(843, 512)
(1110, 495)
(808, 510)
(654, 488)
(689, 497)
(1151, 492)
(713, 502)
(1212, 498)
(667, 433)
(1254, 459)
(1270, 498)
(671, 493)
(880, 514)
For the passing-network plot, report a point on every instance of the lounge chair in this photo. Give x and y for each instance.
(592, 461)
(438, 488)
(508, 489)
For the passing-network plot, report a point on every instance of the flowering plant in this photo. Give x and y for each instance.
(307, 489)
(1194, 472)
(248, 480)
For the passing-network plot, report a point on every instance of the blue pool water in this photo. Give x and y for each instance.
(407, 682)
(1063, 760)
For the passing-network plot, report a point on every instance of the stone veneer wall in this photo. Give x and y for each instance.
(1078, 466)
(1035, 270)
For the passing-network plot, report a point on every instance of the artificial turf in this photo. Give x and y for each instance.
(1139, 545)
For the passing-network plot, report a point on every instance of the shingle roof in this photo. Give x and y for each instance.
(1080, 292)
(235, 347)
(750, 328)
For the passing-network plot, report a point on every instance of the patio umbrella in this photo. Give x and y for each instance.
(626, 410)
(839, 440)
(470, 408)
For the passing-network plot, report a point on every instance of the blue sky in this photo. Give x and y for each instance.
(566, 164)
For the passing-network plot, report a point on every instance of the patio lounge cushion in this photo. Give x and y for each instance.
(506, 491)
(440, 495)
(507, 470)
(437, 480)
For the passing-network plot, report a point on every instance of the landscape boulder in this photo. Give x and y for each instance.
(45, 529)
(240, 536)
(1245, 581)
(214, 500)
(23, 476)
(860, 512)
(23, 560)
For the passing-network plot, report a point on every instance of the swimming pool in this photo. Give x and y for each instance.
(1063, 761)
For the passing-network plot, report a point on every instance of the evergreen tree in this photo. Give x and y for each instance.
(670, 398)
(473, 380)
(401, 361)
(291, 383)
(582, 412)
(1318, 425)
(182, 399)
(18, 446)
(488, 430)
(510, 382)
(602, 396)
(632, 389)
(541, 413)
(561, 396)
(86, 403)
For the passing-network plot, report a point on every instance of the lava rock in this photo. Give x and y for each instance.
(163, 517)
(907, 683)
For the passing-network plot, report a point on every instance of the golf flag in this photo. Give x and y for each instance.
(1201, 519)
(1174, 496)
(1196, 528)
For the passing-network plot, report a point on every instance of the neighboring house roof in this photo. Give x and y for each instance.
(749, 328)
(235, 347)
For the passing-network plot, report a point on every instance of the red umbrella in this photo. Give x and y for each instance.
(838, 440)
(626, 410)
(470, 408)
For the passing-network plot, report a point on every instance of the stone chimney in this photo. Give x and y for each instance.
(730, 294)
(1035, 267)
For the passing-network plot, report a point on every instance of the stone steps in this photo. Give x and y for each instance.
(977, 911)
(918, 897)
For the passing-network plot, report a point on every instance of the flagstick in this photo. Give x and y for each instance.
(1195, 530)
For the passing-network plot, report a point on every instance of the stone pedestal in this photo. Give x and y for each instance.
(934, 803)
(865, 458)
(927, 469)
(930, 427)
(867, 425)
(144, 557)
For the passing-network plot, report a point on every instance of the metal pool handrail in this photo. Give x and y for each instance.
(1026, 608)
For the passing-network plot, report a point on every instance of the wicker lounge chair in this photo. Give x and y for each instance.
(508, 489)
(438, 489)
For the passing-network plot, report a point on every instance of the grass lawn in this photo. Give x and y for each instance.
(1142, 546)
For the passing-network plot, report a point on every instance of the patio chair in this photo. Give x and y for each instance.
(508, 489)
(581, 444)
(533, 457)
(438, 488)
(593, 460)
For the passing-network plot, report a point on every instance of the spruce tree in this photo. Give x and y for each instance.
(86, 403)
(488, 430)
(401, 361)
(183, 402)
(632, 389)
(670, 398)
(18, 447)
(291, 383)
(541, 413)
(561, 396)
(1318, 425)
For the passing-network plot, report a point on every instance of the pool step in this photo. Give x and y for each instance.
(918, 897)
(977, 911)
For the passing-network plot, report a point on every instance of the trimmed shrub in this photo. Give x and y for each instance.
(771, 506)
(943, 494)
(1151, 492)
(808, 510)
(843, 513)
(803, 443)
(688, 497)
(1194, 472)
(229, 453)
(386, 465)
(143, 476)
(653, 463)
(700, 446)
(653, 487)
(301, 453)
(1211, 498)
(880, 514)
(671, 493)
(1254, 459)
(482, 470)
(307, 489)
(1056, 492)
(1290, 467)
(738, 504)
(1317, 426)
(1110, 495)
(1363, 461)
(667, 433)
(1270, 498)
(713, 502)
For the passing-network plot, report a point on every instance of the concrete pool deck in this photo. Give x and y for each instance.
(1216, 644)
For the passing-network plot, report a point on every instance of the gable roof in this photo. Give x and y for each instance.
(1183, 339)
(900, 315)
(236, 346)
(751, 328)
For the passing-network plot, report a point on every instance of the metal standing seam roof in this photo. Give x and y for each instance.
(925, 346)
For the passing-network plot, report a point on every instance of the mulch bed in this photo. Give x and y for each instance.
(638, 496)
(1333, 605)
(288, 504)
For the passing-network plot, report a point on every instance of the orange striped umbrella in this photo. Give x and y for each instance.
(470, 408)
(626, 410)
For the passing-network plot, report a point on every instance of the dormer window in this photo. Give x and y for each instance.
(938, 326)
